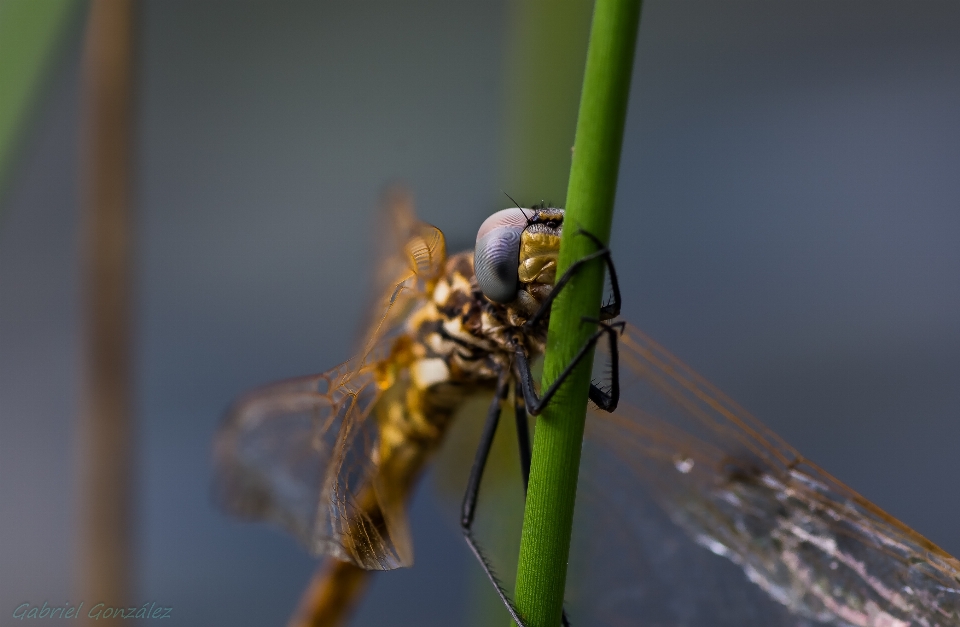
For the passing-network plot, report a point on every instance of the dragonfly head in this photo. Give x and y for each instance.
(516, 254)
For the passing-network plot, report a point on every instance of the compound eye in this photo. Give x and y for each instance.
(497, 255)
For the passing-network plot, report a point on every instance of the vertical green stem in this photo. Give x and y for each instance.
(545, 54)
(548, 517)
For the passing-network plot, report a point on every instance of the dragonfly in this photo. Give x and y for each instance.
(689, 510)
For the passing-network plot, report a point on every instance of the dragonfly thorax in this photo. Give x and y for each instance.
(472, 334)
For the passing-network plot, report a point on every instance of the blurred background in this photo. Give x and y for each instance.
(787, 222)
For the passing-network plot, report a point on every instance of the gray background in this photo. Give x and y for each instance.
(787, 223)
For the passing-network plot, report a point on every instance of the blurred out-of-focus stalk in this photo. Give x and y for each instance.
(30, 32)
(104, 569)
(543, 71)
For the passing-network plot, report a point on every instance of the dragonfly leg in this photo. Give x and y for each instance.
(608, 311)
(605, 399)
(469, 507)
(468, 510)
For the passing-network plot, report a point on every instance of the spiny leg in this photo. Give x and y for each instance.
(468, 511)
(608, 311)
(605, 400)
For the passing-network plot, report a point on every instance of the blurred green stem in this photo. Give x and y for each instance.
(548, 516)
(29, 33)
(544, 70)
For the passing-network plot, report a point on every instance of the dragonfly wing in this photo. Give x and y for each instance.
(404, 243)
(680, 465)
(303, 454)
(410, 257)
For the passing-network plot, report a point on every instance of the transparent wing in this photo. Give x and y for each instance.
(410, 257)
(708, 518)
(302, 454)
(306, 454)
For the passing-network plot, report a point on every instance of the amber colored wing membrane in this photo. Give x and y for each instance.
(305, 454)
(693, 512)
(410, 257)
(301, 454)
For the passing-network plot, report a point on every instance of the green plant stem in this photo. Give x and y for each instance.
(548, 516)
(546, 53)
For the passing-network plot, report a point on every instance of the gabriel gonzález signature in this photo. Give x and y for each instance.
(26, 611)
